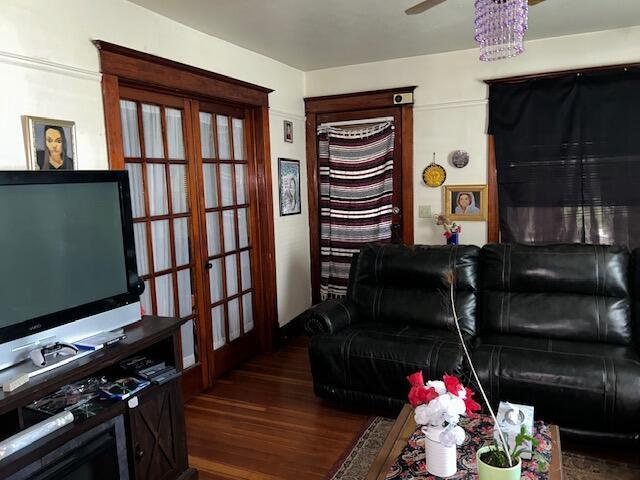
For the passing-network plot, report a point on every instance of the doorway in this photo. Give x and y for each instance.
(199, 170)
(352, 111)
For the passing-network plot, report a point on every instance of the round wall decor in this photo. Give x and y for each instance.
(434, 175)
(459, 158)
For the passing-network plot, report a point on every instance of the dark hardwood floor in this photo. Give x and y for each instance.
(263, 422)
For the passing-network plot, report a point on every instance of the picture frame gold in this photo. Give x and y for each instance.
(34, 133)
(474, 205)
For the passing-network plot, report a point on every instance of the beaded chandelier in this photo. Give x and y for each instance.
(500, 27)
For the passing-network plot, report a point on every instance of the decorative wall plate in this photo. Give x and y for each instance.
(459, 158)
(434, 175)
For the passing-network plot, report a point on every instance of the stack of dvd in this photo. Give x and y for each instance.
(154, 371)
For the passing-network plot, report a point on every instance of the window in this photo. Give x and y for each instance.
(568, 157)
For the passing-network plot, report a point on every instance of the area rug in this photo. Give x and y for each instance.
(358, 460)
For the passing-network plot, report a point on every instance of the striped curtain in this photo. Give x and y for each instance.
(356, 188)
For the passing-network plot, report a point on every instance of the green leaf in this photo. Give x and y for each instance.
(515, 455)
(542, 466)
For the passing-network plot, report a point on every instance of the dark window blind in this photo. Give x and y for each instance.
(568, 157)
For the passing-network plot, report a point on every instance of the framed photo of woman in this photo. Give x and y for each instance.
(465, 202)
(289, 186)
(50, 144)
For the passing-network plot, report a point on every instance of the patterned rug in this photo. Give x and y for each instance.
(576, 466)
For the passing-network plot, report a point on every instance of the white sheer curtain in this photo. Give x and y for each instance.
(137, 191)
(188, 344)
(226, 184)
(184, 292)
(224, 147)
(234, 319)
(161, 245)
(217, 318)
(210, 185)
(175, 143)
(206, 135)
(152, 127)
(130, 134)
(157, 189)
(179, 188)
(181, 240)
(247, 312)
(164, 296)
(215, 281)
(140, 238)
(238, 139)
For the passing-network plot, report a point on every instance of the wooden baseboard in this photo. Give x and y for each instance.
(288, 332)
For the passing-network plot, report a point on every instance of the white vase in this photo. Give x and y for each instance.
(441, 460)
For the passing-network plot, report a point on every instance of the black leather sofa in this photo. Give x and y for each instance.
(549, 325)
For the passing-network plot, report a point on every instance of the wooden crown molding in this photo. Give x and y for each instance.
(346, 102)
(139, 67)
(560, 73)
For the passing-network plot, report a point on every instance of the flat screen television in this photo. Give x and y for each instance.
(67, 255)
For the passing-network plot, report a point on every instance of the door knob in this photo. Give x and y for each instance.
(395, 210)
(208, 265)
(139, 452)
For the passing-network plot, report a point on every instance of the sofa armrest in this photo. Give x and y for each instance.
(330, 316)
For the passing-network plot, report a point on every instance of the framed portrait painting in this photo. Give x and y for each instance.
(50, 144)
(289, 186)
(465, 202)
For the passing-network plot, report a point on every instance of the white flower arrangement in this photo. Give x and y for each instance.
(440, 404)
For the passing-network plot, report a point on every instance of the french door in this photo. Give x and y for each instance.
(189, 168)
(226, 203)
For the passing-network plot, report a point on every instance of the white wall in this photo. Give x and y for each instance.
(450, 110)
(50, 68)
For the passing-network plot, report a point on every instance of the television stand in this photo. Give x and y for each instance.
(149, 433)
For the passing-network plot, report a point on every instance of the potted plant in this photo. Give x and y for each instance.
(498, 452)
(493, 462)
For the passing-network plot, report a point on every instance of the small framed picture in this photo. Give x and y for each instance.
(288, 131)
(289, 186)
(50, 144)
(466, 202)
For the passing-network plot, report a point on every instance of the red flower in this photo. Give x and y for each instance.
(416, 379)
(421, 395)
(470, 403)
(447, 233)
(452, 384)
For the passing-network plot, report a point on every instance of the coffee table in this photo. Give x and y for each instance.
(404, 427)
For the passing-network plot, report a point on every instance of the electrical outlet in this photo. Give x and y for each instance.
(424, 211)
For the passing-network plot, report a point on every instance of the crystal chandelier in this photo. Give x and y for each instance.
(500, 28)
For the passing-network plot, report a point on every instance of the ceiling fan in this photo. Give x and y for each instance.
(427, 4)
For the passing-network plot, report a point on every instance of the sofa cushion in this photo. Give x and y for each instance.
(398, 283)
(571, 291)
(578, 385)
(376, 358)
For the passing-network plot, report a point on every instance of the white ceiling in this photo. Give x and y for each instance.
(313, 34)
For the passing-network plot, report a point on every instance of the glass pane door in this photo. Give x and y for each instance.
(227, 218)
(154, 149)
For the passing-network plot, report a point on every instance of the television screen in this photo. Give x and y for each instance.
(66, 248)
(62, 247)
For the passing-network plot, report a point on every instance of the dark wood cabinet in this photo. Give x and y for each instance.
(157, 437)
(153, 419)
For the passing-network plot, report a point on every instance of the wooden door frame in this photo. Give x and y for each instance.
(127, 67)
(349, 103)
